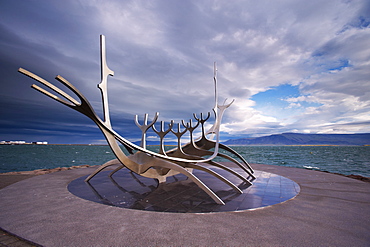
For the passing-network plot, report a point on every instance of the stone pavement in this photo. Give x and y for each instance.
(6, 238)
(330, 210)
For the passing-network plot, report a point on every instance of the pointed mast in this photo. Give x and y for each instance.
(105, 71)
(212, 129)
(215, 81)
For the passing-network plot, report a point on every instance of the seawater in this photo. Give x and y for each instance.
(340, 159)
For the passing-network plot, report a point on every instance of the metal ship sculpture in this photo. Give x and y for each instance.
(196, 154)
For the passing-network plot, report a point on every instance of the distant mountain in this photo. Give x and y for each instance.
(304, 139)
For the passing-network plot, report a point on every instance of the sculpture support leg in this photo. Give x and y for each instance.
(230, 170)
(237, 163)
(102, 167)
(223, 179)
(150, 161)
(116, 170)
(227, 148)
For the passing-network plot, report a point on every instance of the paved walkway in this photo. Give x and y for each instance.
(330, 210)
(6, 238)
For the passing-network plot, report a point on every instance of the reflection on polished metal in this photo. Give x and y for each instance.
(164, 164)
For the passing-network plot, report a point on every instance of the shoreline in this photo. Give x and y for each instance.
(47, 171)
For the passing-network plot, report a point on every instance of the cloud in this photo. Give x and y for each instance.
(162, 53)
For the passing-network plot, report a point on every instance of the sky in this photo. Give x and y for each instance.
(291, 65)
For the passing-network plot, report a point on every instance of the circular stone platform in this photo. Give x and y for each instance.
(180, 195)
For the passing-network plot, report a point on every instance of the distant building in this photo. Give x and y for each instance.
(21, 143)
(40, 143)
(13, 142)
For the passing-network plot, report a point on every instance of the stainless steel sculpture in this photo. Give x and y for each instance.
(182, 159)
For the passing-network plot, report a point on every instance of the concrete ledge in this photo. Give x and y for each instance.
(331, 210)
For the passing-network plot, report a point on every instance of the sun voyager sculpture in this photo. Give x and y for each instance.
(199, 153)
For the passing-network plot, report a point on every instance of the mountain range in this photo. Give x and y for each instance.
(294, 139)
(304, 139)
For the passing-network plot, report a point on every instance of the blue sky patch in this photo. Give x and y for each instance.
(273, 101)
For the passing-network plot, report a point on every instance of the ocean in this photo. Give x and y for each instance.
(337, 159)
